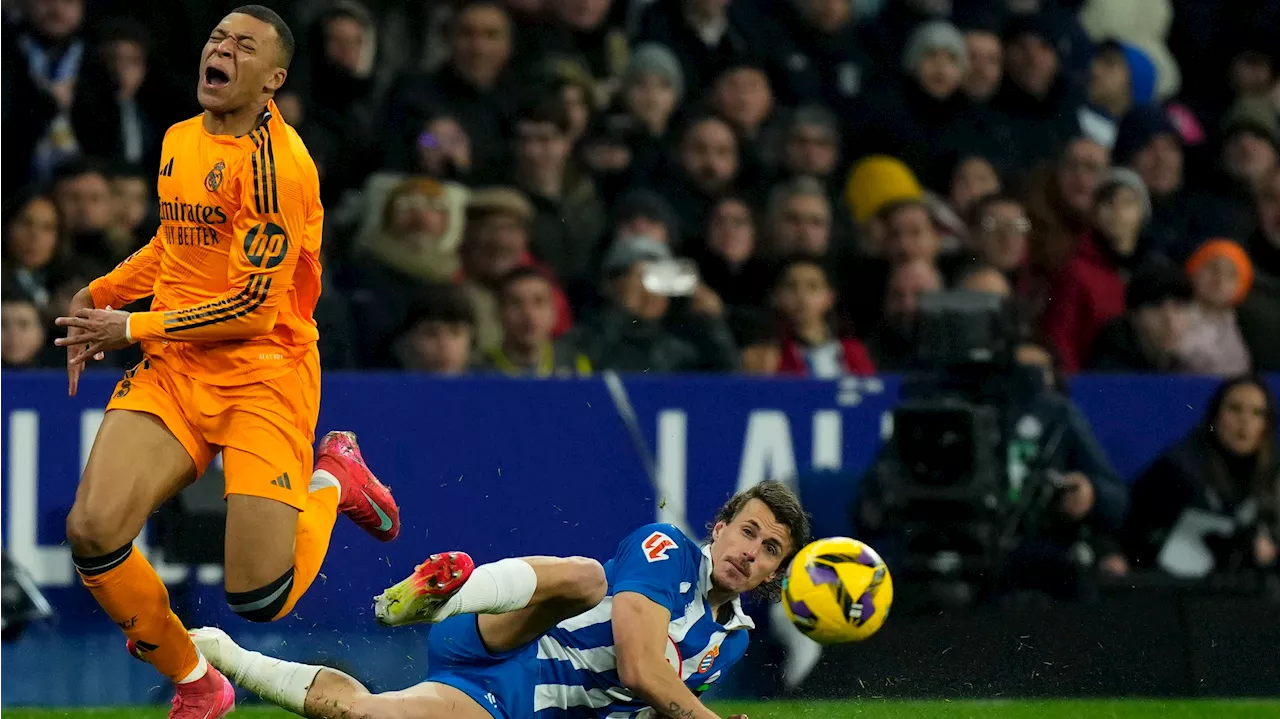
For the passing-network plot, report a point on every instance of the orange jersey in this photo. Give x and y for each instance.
(235, 265)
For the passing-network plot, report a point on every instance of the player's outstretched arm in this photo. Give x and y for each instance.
(640, 641)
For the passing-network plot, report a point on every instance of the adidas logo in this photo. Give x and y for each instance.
(168, 169)
(144, 647)
(282, 481)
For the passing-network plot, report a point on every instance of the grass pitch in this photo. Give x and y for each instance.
(864, 709)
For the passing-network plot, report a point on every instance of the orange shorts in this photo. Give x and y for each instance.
(264, 430)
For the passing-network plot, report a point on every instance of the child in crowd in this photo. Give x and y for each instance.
(804, 298)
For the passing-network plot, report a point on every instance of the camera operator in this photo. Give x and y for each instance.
(1079, 528)
(1065, 502)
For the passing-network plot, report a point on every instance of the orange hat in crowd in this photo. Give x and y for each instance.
(1232, 251)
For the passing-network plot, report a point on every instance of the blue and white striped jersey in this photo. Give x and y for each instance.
(577, 666)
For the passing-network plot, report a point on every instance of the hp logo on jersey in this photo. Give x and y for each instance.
(266, 245)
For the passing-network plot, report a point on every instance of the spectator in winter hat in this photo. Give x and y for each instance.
(1122, 77)
(644, 212)
(628, 333)
(1149, 335)
(873, 183)
(1221, 276)
(496, 241)
(653, 87)
(1089, 291)
(1148, 143)
(567, 79)
(1121, 209)
(580, 29)
(925, 120)
(1251, 141)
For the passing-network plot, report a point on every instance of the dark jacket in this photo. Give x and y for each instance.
(1259, 314)
(614, 340)
(1117, 349)
(1182, 479)
(1039, 127)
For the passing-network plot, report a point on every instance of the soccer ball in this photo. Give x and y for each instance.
(837, 590)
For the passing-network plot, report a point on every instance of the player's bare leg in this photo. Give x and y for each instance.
(323, 693)
(116, 495)
(518, 599)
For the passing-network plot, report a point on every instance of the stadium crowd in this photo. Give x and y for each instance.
(511, 185)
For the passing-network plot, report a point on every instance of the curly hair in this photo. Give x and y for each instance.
(785, 505)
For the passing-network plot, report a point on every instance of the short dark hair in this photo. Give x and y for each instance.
(519, 274)
(124, 29)
(544, 109)
(799, 259)
(980, 205)
(786, 508)
(448, 304)
(79, 167)
(283, 34)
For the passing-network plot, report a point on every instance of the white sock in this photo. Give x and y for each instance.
(323, 478)
(497, 588)
(202, 668)
(282, 683)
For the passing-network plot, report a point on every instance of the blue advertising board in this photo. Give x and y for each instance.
(495, 467)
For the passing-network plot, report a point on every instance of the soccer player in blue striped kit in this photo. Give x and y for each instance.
(644, 635)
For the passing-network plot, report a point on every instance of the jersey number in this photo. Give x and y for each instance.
(266, 245)
(657, 546)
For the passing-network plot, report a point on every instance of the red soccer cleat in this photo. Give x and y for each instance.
(209, 697)
(365, 500)
(418, 598)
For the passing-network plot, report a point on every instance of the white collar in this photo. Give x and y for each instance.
(739, 620)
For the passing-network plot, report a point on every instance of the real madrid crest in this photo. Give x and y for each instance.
(213, 180)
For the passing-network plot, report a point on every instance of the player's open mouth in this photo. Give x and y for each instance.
(213, 77)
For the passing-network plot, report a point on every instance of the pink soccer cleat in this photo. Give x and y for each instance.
(418, 598)
(209, 697)
(365, 500)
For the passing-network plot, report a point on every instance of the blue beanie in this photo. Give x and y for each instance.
(1142, 74)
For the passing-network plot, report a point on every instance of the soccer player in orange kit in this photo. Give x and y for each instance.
(230, 365)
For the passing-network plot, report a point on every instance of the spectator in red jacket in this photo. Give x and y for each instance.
(812, 347)
(1089, 291)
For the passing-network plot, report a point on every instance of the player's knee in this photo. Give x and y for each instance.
(91, 532)
(266, 603)
(587, 582)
